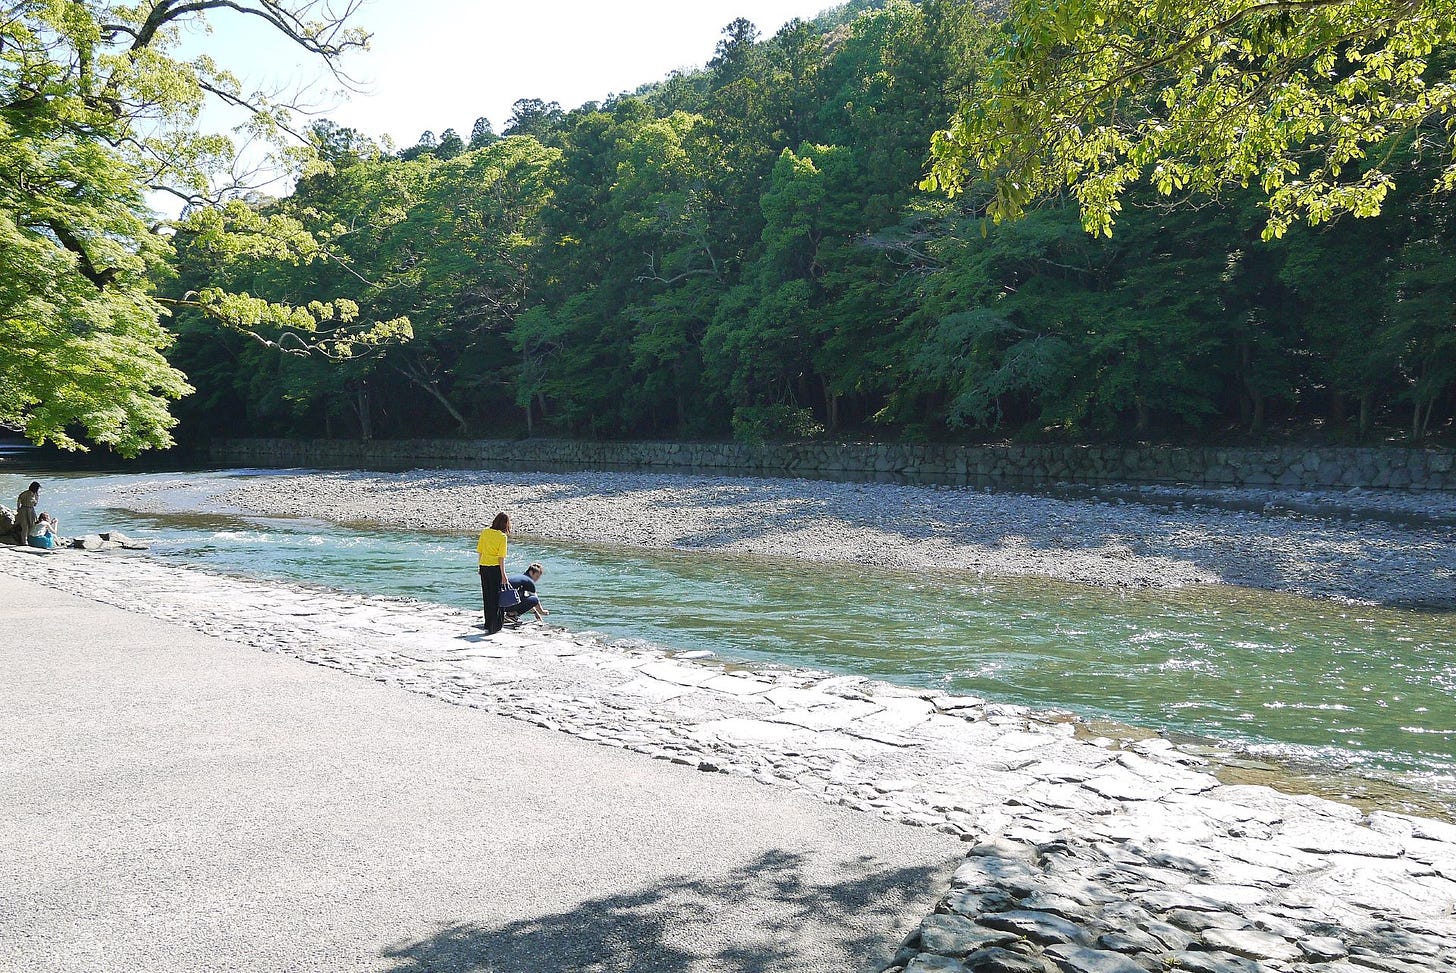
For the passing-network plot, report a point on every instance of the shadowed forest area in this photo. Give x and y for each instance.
(744, 250)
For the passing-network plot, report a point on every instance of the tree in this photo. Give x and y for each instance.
(482, 134)
(761, 346)
(451, 145)
(1309, 100)
(734, 52)
(95, 110)
(426, 145)
(534, 117)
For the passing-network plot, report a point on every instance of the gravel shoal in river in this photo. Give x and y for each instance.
(1084, 855)
(1165, 543)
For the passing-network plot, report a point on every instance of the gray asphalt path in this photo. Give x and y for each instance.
(170, 801)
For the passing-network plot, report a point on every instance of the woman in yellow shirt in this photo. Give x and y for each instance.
(492, 549)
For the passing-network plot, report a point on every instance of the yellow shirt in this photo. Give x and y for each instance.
(492, 547)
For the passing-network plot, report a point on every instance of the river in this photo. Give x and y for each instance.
(1325, 686)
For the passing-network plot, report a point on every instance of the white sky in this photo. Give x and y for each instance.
(438, 64)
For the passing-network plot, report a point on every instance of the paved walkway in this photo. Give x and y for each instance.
(172, 801)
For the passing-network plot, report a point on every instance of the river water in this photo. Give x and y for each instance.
(1328, 687)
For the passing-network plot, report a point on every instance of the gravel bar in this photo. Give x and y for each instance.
(1352, 550)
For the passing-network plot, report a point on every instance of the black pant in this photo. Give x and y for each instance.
(490, 585)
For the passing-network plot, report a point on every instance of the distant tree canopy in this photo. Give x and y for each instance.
(95, 111)
(747, 249)
(1322, 105)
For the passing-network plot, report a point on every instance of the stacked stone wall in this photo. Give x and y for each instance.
(1288, 467)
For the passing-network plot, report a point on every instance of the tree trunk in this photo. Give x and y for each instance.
(831, 407)
(1421, 419)
(1337, 407)
(1367, 412)
(362, 411)
(526, 370)
(1256, 424)
(1246, 398)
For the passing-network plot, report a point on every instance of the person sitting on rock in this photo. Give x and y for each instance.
(525, 585)
(43, 534)
(25, 513)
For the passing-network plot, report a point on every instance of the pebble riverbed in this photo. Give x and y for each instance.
(1085, 855)
(1382, 547)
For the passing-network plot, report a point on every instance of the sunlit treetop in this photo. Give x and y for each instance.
(1316, 103)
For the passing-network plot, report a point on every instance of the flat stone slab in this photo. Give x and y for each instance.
(737, 685)
(934, 963)
(1230, 895)
(1252, 943)
(1346, 839)
(996, 959)
(1126, 787)
(679, 674)
(744, 731)
(653, 689)
(1081, 959)
(1198, 961)
(837, 717)
(953, 935)
(1040, 927)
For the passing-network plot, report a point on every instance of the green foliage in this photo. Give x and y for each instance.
(96, 108)
(1307, 102)
(742, 250)
(756, 424)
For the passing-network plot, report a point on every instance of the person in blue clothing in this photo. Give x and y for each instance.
(525, 585)
(43, 534)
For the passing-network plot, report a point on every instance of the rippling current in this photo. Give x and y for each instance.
(1331, 687)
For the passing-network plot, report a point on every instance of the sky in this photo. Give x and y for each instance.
(438, 64)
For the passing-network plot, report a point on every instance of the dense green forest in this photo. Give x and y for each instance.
(745, 250)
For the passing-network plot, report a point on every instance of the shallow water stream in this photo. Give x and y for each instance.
(1328, 686)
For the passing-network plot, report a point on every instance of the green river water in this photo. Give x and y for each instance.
(1332, 688)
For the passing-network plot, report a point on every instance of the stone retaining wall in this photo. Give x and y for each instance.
(1212, 466)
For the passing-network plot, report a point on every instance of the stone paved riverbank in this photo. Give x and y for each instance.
(1171, 542)
(1085, 855)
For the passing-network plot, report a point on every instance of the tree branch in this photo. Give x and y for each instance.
(71, 242)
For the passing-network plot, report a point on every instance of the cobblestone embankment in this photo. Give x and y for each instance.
(1011, 465)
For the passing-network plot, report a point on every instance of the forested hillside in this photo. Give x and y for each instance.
(743, 250)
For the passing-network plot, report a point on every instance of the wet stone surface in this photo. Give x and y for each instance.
(1083, 855)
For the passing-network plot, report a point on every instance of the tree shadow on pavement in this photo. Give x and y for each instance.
(771, 914)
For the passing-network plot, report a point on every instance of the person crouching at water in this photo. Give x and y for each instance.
(525, 585)
(43, 534)
(492, 548)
